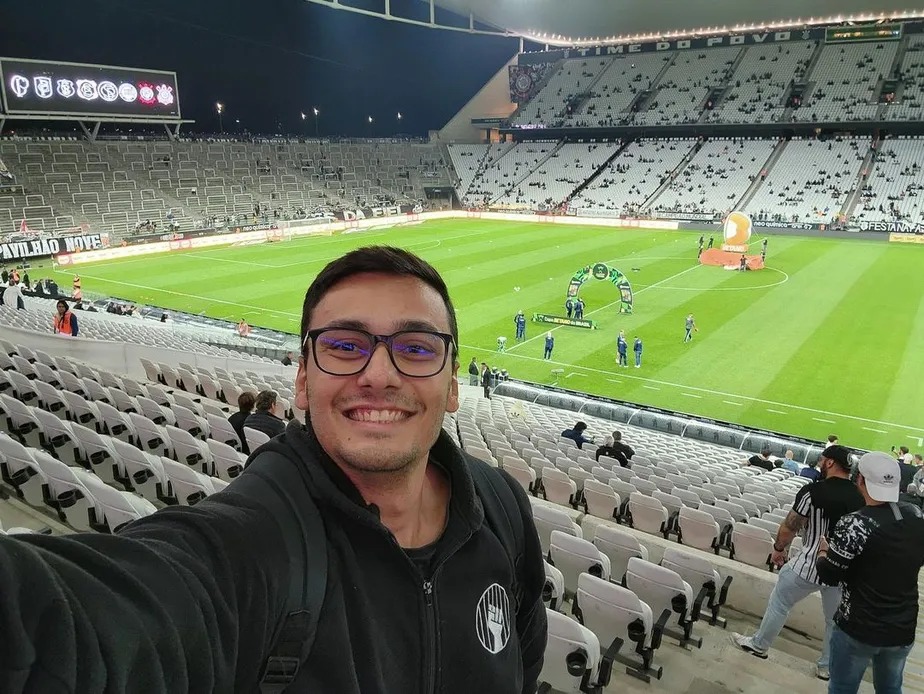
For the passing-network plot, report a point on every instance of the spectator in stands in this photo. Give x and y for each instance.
(576, 434)
(65, 322)
(26, 281)
(4, 276)
(832, 440)
(609, 451)
(164, 317)
(12, 296)
(817, 509)
(265, 417)
(876, 554)
(407, 515)
(811, 470)
(77, 288)
(245, 403)
(473, 372)
(287, 359)
(905, 467)
(763, 460)
(787, 462)
(486, 377)
(622, 446)
(243, 329)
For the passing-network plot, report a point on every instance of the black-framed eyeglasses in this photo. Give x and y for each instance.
(347, 351)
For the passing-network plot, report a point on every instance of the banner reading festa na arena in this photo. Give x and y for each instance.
(51, 245)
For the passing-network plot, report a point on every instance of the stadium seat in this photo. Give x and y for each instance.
(557, 487)
(187, 486)
(95, 452)
(111, 509)
(699, 572)
(229, 463)
(699, 529)
(573, 556)
(553, 592)
(663, 589)
(67, 490)
(648, 514)
(548, 519)
(255, 439)
(572, 658)
(152, 437)
(768, 524)
(600, 500)
(521, 472)
(24, 389)
(55, 435)
(190, 450)
(752, 545)
(619, 546)
(614, 614)
(140, 471)
(20, 471)
(17, 420)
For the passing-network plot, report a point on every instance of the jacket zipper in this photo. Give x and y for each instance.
(430, 630)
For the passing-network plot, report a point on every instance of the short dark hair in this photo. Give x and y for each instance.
(580, 426)
(839, 454)
(832, 438)
(245, 401)
(617, 436)
(765, 451)
(903, 449)
(265, 400)
(379, 259)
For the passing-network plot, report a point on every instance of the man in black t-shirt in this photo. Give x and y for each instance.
(624, 448)
(876, 554)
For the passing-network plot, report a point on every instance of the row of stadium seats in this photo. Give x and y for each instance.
(750, 84)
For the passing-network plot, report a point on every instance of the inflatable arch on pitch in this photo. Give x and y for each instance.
(602, 271)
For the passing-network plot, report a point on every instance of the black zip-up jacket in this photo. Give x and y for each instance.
(188, 599)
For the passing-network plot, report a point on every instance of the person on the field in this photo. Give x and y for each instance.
(622, 349)
(701, 246)
(569, 306)
(549, 345)
(743, 264)
(711, 242)
(579, 309)
(486, 378)
(519, 321)
(690, 327)
(473, 373)
(637, 348)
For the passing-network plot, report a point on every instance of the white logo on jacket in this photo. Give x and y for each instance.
(492, 618)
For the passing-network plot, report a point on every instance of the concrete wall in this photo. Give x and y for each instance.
(491, 101)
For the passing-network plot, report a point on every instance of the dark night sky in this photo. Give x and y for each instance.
(268, 61)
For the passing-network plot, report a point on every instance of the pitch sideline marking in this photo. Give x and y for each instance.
(708, 391)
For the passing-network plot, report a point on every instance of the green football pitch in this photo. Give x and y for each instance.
(829, 338)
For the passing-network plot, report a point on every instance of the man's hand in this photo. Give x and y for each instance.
(778, 558)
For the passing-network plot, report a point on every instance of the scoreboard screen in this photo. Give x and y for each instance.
(870, 32)
(40, 87)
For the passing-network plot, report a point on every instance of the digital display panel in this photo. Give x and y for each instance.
(39, 87)
(874, 32)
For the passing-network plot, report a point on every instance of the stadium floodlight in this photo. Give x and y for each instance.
(303, 115)
(399, 115)
(316, 112)
(220, 107)
(370, 118)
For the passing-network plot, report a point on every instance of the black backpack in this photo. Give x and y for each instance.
(272, 480)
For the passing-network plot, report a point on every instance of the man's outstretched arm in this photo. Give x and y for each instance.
(169, 605)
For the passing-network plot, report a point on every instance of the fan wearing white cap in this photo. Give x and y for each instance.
(875, 554)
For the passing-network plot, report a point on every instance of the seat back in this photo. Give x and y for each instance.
(548, 519)
(648, 515)
(698, 529)
(619, 546)
(572, 655)
(573, 556)
(752, 545)
(611, 612)
(600, 499)
(659, 587)
(559, 488)
(553, 592)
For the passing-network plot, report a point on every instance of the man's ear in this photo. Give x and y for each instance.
(301, 384)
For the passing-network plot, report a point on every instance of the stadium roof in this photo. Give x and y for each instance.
(567, 22)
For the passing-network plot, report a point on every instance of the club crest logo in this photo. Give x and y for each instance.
(492, 619)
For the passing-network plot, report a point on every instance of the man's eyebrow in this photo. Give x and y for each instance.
(352, 324)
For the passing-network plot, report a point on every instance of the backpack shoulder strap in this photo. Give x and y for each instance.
(275, 479)
(502, 512)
